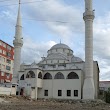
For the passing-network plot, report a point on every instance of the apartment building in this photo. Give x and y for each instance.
(6, 62)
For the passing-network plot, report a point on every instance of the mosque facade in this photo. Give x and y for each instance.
(60, 75)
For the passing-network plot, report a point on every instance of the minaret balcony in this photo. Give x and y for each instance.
(88, 15)
(18, 42)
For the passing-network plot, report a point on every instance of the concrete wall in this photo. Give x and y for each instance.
(53, 85)
(5, 90)
(64, 85)
(39, 83)
(104, 85)
(96, 78)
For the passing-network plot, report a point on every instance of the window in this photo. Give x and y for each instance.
(8, 61)
(8, 68)
(28, 84)
(40, 75)
(68, 92)
(0, 50)
(33, 88)
(47, 76)
(68, 54)
(2, 73)
(43, 66)
(8, 47)
(76, 93)
(3, 66)
(13, 85)
(7, 75)
(51, 61)
(59, 92)
(0, 43)
(4, 52)
(72, 75)
(4, 45)
(61, 65)
(3, 59)
(30, 74)
(22, 77)
(8, 54)
(59, 76)
(54, 66)
(45, 92)
(2, 81)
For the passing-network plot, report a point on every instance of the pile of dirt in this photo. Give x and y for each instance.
(25, 103)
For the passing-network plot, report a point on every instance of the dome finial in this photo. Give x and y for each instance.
(60, 41)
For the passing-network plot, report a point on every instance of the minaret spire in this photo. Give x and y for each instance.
(19, 23)
(18, 43)
(88, 16)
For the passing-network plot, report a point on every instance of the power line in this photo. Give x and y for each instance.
(46, 20)
(33, 1)
(5, 0)
(23, 3)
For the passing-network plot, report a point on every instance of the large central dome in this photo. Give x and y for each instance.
(60, 49)
(60, 53)
(60, 46)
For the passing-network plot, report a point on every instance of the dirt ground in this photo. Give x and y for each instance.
(15, 103)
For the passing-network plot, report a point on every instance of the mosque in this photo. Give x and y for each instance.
(60, 75)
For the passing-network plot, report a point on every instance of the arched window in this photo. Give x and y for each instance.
(59, 76)
(47, 76)
(30, 74)
(72, 75)
(22, 77)
(40, 75)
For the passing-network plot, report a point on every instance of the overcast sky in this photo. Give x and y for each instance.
(45, 22)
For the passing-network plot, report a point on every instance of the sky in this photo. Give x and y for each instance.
(46, 22)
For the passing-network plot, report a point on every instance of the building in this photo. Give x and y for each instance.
(6, 62)
(60, 75)
(104, 85)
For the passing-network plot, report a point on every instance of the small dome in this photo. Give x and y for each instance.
(23, 63)
(56, 56)
(76, 59)
(60, 45)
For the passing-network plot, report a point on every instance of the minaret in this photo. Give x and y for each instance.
(18, 43)
(88, 16)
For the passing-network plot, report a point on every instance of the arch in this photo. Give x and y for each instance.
(47, 76)
(30, 74)
(72, 75)
(40, 75)
(59, 75)
(22, 77)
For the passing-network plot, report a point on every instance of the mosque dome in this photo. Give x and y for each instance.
(60, 46)
(60, 53)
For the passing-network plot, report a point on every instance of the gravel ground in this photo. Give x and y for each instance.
(14, 103)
